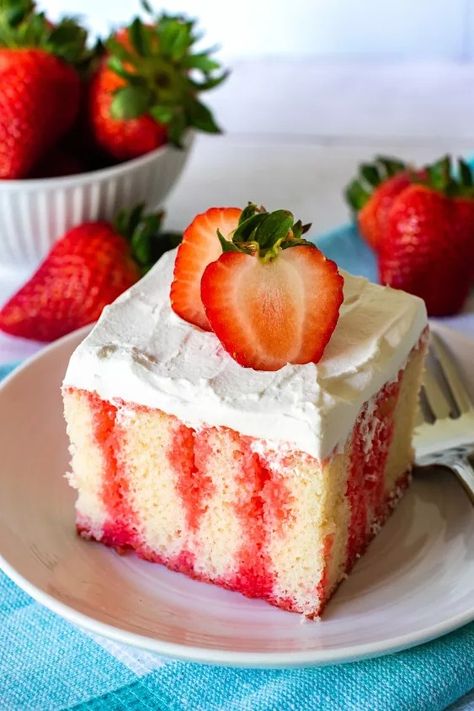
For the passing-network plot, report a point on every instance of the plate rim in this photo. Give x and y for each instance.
(209, 655)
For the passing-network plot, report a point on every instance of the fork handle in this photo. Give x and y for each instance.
(464, 471)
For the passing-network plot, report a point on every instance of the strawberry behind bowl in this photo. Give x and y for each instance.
(420, 223)
(88, 268)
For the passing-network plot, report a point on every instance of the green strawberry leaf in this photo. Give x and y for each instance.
(299, 229)
(249, 211)
(143, 232)
(208, 84)
(117, 49)
(356, 195)
(370, 173)
(440, 174)
(162, 114)
(141, 246)
(465, 173)
(139, 37)
(274, 228)
(118, 67)
(246, 228)
(227, 245)
(176, 128)
(200, 117)
(391, 166)
(130, 102)
(201, 61)
(265, 234)
(22, 26)
(13, 12)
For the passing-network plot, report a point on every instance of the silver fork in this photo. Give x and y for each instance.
(446, 436)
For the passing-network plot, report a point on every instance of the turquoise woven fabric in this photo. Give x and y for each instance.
(47, 664)
(6, 369)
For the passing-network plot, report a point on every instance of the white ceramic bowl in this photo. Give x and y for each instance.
(34, 213)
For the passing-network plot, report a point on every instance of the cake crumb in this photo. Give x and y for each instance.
(106, 351)
(304, 619)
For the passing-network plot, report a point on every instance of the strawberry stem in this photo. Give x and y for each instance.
(371, 175)
(163, 74)
(22, 26)
(144, 233)
(264, 234)
(441, 176)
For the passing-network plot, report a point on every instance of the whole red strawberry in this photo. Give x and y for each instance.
(85, 270)
(121, 138)
(39, 86)
(422, 226)
(143, 94)
(372, 193)
(270, 296)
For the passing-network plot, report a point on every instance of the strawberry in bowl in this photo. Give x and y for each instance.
(40, 85)
(146, 89)
(420, 222)
(78, 140)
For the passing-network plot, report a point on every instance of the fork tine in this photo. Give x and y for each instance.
(451, 374)
(437, 401)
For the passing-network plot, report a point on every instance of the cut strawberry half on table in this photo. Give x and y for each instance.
(271, 298)
(200, 246)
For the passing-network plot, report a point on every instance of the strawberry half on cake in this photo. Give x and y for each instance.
(244, 413)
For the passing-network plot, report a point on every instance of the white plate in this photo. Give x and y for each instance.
(415, 583)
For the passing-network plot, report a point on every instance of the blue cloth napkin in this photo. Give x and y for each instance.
(48, 664)
(6, 369)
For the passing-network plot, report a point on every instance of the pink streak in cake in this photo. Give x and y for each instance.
(119, 528)
(371, 441)
(188, 454)
(254, 576)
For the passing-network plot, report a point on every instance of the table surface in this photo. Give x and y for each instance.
(296, 130)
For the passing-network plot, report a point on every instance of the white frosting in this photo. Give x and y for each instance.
(141, 351)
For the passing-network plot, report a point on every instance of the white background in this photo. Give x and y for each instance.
(317, 28)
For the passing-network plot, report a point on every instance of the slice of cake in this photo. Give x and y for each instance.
(269, 480)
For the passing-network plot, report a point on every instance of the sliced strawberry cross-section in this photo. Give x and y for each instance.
(200, 246)
(269, 295)
(267, 314)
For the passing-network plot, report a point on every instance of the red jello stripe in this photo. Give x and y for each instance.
(254, 577)
(370, 445)
(119, 529)
(188, 455)
(181, 563)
